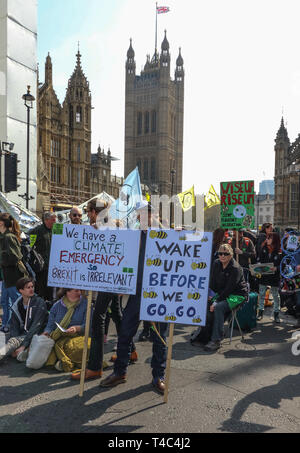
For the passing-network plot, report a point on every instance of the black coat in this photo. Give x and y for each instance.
(275, 258)
(36, 322)
(228, 281)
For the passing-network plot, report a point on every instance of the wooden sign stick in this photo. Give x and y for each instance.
(237, 244)
(86, 340)
(169, 358)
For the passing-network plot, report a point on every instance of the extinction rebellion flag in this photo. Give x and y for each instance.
(162, 9)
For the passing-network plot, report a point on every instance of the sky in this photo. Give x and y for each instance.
(242, 74)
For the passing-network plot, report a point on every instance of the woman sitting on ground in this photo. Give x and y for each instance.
(69, 312)
(29, 318)
(228, 283)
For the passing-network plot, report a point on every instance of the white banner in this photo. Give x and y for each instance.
(83, 257)
(176, 277)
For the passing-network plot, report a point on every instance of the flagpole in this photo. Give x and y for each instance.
(156, 30)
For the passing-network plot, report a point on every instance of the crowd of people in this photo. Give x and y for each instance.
(31, 308)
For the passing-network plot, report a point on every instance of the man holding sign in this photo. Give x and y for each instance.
(130, 324)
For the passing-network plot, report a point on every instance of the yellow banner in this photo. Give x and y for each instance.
(211, 198)
(187, 199)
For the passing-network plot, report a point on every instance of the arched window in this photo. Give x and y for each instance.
(147, 123)
(139, 123)
(153, 170)
(78, 114)
(153, 121)
(146, 173)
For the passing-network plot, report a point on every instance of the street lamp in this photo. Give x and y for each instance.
(5, 148)
(28, 102)
(173, 173)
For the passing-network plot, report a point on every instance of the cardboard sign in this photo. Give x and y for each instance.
(237, 205)
(262, 269)
(176, 277)
(84, 258)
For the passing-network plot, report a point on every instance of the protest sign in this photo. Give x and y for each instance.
(176, 277)
(83, 257)
(237, 204)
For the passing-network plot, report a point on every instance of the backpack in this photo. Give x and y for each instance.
(32, 260)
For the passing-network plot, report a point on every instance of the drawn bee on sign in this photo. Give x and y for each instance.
(158, 234)
(205, 239)
(157, 262)
(182, 238)
(199, 266)
(195, 296)
(197, 320)
(170, 318)
(151, 295)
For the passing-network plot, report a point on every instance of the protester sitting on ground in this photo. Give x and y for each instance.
(70, 313)
(29, 317)
(228, 283)
(12, 267)
(270, 253)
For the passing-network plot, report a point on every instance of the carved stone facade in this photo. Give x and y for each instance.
(65, 174)
(287, 180)
(154, 114)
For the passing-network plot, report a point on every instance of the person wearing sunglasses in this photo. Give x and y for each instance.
(75, 215)
(228, 283)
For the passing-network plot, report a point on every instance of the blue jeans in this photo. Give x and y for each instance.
(262, 293)
(220, 311)
(8, 298)
(129, 327)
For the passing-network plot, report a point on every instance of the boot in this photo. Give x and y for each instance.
(260, 315)
(276, 317)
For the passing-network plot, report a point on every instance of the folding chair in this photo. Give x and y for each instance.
(234, 319)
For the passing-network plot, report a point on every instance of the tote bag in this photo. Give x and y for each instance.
(39, 351)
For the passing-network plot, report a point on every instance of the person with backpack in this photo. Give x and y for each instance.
(11, 264)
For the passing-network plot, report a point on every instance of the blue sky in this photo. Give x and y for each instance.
(242, 69)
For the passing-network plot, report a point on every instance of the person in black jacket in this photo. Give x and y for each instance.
(270, 253)
(29, 317)
(227, 279)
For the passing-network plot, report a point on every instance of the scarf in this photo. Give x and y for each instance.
(64, 323)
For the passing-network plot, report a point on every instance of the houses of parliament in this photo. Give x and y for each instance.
(69, 173)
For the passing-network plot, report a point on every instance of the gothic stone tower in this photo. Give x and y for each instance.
(282, 186)
(154, 113)
(64, 142)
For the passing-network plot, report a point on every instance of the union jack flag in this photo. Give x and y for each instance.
(162, 9)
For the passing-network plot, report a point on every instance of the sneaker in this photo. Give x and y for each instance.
(212, 346)
(276, 317)
(58, 366)
(260, 315)
(113, 380)
(22, 356)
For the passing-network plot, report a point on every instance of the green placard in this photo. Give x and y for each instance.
(58, 228)
(237, 205)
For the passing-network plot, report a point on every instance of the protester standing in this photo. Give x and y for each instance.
(40, 240)
(261, 239)
(11, 264)
(270, 253)
(129, 327)
(75, 215)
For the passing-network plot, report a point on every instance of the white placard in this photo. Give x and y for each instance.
(83, 257)
(176, 277)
